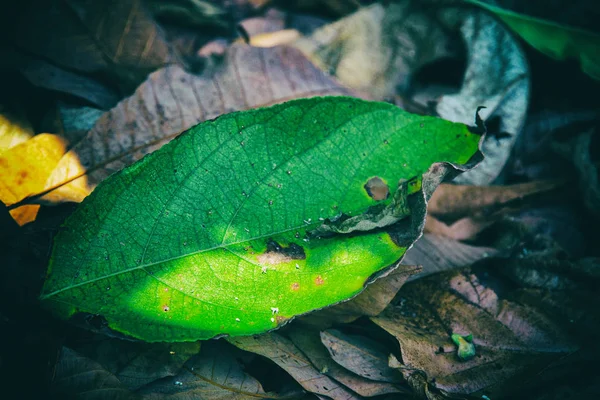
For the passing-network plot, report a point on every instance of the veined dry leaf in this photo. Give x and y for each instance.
(378, 50)
(137, 364)
(213, 374)
(360, 354)
(512, 341)
(309, 343)
(79, 377)
(285, 354)
(172, 100)
(14, 130)
(24, 170)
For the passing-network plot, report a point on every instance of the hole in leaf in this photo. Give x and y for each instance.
(377, 189)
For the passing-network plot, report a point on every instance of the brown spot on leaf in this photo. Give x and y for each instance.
(281, 319)
(377, 189)
(295, 286)
(277, 254)
(319, 280)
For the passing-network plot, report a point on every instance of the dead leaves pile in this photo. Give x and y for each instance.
(505, 260)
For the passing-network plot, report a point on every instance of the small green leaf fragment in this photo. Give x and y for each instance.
(466, 348)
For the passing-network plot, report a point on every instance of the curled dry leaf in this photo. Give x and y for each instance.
(360, 354)
(513, 342)
(172, 100)
(284, 353)
(309, 343)
(379, 49)
(497, 78)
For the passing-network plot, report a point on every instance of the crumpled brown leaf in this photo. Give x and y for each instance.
(512, 341)
(308, 341)
(359, 354)
(172, 100)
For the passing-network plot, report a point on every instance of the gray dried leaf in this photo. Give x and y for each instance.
(309, 343)
(359, 354)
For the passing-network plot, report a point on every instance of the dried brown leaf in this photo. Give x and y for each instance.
(513, 342)
(359, 354)
(309, 343)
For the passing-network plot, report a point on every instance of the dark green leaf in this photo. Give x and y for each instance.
(214, 233)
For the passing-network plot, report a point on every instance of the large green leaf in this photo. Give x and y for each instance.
(559, 41)
(215, 233)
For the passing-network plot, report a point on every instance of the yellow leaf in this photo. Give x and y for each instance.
(70, 170)
(25, 168)
(14, 129)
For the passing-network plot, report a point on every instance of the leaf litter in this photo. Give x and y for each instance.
(527, 297)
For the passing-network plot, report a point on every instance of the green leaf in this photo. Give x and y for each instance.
(214, 233)
(558, 41)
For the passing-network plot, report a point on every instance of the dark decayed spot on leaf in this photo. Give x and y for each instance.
(277, 253)
(377, 189)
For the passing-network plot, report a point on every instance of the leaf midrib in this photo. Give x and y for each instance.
(223, 245)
